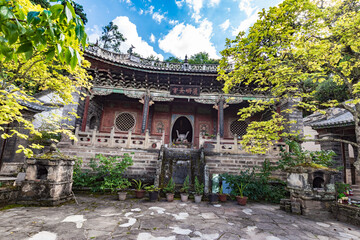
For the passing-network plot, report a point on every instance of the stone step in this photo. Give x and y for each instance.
(5, 180)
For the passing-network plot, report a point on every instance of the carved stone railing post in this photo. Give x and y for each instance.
(128, 142)
(201, 140)
(147, 139)
(218, 139)
(163, 138)
(112, 134)
(236, 148)
(77, 135)
(93, 138)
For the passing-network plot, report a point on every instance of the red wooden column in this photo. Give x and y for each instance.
(86, 110)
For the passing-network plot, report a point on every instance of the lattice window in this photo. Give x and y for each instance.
(238, 128)
(125, 122)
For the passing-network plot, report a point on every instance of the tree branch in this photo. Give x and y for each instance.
(331, 140)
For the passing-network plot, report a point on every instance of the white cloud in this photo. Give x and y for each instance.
(179, 3)
(151, 10)
(214, 3)
(152, 38)
(141, 12)
(94, 33)
(173, 22)
(244, 25)
(132, 38)
(158, 17)
(187, 39)
(225, 25)
(195, 6)
(245, 5)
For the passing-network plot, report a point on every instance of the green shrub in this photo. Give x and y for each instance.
(259, 186)
(198, 188)
(107, 173)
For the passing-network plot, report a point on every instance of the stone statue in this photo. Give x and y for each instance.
(181, 137)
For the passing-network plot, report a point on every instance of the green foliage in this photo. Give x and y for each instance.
(257, 186)
(202, 58)
(39, 50)
(138, 184)
(241, 189)
(106, 173)
(342, 189)
(293, 43)
(173, 60)
(152, 188)
(198, 188)
(111, 38)
(296, 155)
(170, 187)
(186, 185)
(46, 138)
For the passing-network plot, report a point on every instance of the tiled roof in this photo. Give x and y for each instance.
(334, 118)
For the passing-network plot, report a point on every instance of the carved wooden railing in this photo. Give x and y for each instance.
(220, 145)
(116, 140)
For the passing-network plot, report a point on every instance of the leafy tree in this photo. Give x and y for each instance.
(153, 58)
(173, 60)
(79, 10)
(42, 3)
(39, 49)
(202, 58)
(111, 38)
(290, 43)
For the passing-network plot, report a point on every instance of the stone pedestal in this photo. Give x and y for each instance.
(48, 180)
(311, 190)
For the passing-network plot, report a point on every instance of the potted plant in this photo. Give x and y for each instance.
(153, 192)
(185, 190)
(199, 190)
(121, 187)
(139, 191)
(170, 190)
(240, 198)
(222, 196)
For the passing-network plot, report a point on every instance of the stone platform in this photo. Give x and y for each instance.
(104, 217)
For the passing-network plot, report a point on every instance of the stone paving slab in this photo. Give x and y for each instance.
(104, 217)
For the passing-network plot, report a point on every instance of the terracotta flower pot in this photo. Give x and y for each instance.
(139, 193)
(184, 197)
(170, 197)
(153, 196)
(222, 197)
(122, 196)
(241, 200)
(198, 198)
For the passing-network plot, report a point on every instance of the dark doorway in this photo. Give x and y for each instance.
(183, 126)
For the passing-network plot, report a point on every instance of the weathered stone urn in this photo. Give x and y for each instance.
(48, 180)
(311, 189)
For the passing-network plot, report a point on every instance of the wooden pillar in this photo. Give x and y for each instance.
(221, 117)
(86, 110)
(145, 114)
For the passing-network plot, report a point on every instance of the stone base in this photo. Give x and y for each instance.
(8, 195)
(45, 202)
(11, 168)
(346, 213)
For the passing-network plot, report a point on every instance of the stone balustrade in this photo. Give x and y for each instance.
(118, 140)
(232, 146)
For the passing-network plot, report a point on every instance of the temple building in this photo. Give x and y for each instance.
(174, 117)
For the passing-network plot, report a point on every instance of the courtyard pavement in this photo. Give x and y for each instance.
(104, 217)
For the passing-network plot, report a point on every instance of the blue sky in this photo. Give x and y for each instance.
(167, 28)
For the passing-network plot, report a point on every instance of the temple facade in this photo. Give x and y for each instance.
(174, 117)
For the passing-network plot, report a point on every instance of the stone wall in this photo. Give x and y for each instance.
(8, 196)
(346, 213)
(233, 164)
(145, 162)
